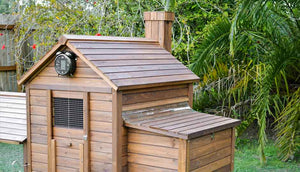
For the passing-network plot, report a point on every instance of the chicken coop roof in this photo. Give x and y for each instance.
(177, 120)
(124, 63)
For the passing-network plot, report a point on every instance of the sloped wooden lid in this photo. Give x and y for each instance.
(177, 120)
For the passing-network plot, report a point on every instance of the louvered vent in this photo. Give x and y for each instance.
(68, 112)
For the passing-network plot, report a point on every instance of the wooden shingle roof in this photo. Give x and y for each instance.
(13, 117)
(177, 120)
(128, 63)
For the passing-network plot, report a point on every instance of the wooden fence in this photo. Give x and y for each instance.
(8, 74)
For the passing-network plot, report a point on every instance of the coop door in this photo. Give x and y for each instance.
(68, 133)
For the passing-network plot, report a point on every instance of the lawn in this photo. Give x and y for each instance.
(11, 158)
(246, 158)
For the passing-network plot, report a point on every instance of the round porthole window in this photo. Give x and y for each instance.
(65, 63)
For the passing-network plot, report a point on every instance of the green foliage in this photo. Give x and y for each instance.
(50, 19)
(245, 52)
(5, 7)
(259, 45)
(288, 136)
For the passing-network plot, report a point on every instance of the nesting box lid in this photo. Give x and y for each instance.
(123, 62)
(177, 120)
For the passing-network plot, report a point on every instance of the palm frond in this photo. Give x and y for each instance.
(288, 128)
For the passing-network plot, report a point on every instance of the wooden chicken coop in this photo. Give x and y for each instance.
(121, 104)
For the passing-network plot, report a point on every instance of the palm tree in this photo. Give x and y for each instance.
(252, 61)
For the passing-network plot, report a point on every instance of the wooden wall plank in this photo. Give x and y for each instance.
(98, 166)
(80, 72)
(148, 96)
(72, 84)
(207, 139)
(132, 167)
(68, 94)
(101, 157)
(215, 165)
(39, 148)
(37, 166)
(101, 106)
(160, 151)
(154, 103)
(101, 126)
(204, 160)
(153, 161)
(212, 147)
(148, 139)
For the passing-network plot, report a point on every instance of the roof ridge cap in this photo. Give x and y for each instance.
(65, 38)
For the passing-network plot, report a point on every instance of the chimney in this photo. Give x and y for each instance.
(158, 26)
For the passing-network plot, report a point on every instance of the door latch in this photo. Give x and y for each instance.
(85, 137)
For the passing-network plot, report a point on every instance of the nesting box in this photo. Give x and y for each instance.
(120, 104)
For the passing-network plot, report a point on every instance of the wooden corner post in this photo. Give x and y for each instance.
(232, 148)
(158, 26)
(28, 141)
(117, 124)
(183, 157)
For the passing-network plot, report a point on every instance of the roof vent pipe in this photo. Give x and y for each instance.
(158, 26)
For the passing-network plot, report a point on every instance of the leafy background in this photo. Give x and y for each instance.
(245, 52)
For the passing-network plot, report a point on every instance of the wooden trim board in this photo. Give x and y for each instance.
(117, 130)
(53, 155)
(29, 164)
(65, 38)
(49, 129)
(86, 128)
(191, 94)
(183, 156)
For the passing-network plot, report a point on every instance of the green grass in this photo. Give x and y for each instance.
(11, 158)
(247, 158)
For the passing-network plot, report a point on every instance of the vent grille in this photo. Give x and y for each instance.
(68, 112)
